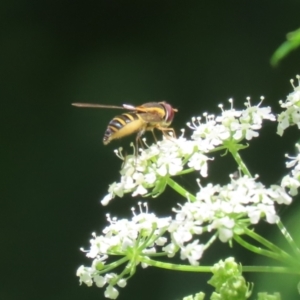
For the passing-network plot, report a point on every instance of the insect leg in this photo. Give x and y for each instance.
(165, 130)
(154, 135)
(137, 141)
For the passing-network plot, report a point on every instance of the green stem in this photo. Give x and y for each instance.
(239, 161)
(186, 159)
(266, 243)
(112, 265)
(285, 256)
(210, 241)
(266, 269)
(288, 237)
(151, 238)
(207, 269)
(180, 190)
(254, 249)
(175, 267)
(186, 171)
(267, 253)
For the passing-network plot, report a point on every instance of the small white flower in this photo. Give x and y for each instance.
(207, 135)
(291, 116)
(149, 251)
(170, 249)
(122, 283)
(117, 189)
(100, 281)
(225, 234)
(278, 194)
(254, 215)
(199, 162)
(150, 178)
(161, 241)
(246, 130)
(283, 122)
(291, 183)
(107, 199)
(111, 292)
(294, 161)
(292, 180)
(140, 190)
(225, 228)
(193, 252)
(85, 275)
(99, 245)
(256, 113)
(169, 164)
(183, 232)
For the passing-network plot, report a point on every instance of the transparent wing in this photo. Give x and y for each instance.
(150, 117)
(92, 105)
(142, 109)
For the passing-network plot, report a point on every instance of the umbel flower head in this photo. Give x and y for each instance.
(222, 211)
(151, 169)
(134, 241)
(148, 173)
(229, 282)
(211, 212)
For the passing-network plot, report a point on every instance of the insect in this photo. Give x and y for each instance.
(146, 117)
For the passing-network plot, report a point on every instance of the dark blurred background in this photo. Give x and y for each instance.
(55, 169)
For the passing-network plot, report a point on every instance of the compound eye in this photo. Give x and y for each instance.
(169, 112)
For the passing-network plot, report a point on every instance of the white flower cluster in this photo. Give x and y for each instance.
(224, 208)
(221, 210)
(291, 115)
(152, 167)
(292, 180)
(90, 275)
(148, 172)
(131, 239)
(231, 125)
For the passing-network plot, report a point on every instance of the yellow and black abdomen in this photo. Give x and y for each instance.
(123, 125)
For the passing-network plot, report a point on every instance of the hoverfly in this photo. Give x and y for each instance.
(145, 117)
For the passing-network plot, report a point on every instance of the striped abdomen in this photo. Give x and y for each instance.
(123, 125)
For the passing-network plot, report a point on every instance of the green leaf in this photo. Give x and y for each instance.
(292, 43)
